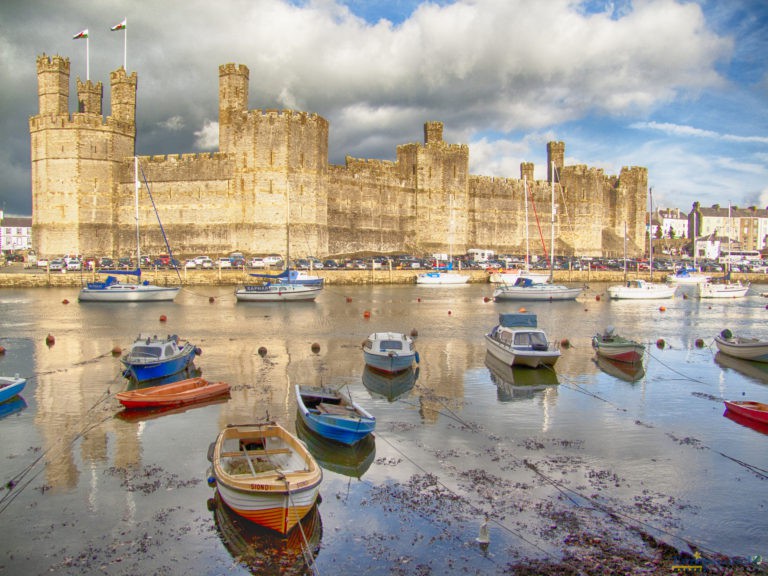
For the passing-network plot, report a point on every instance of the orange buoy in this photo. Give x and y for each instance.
(315, 347)
(211, 299)
(597, 297)
(449, 312)
(116, 351)
(660, 343)
(349, 299)
(418, 299)
(65, 301)
(50, 340)
(486, 299)
(367, 314)
(662, 309)
(699, 343)
(414, 332)
(163, 318)
(2, 350)
(522, 310)
(262, 351)
(565, 343)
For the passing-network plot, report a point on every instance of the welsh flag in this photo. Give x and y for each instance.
(83, 34)
(120, 26)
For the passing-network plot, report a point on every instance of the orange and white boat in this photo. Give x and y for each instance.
(265, 474)
(173, 394)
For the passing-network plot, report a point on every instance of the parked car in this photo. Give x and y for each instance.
(224, 262)
(330, 264)
(124, 263)
(74, 264)
(106, 264)
(205, 263)
(42, 263)
(273, 260)
(57, 264)
(257, 263)
(315, 263)
(200, 259)
(190, 264)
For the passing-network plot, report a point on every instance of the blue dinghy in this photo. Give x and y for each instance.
(333, 416)
(151, 358)
(11, 386)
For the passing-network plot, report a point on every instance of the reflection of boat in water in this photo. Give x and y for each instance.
(518, 382)
(190, 371)
(761, 427)
(627, 371)
(17, 404)
(352, 461)
(262, 551)
(389, 386)
(757, 371)
(152, 413)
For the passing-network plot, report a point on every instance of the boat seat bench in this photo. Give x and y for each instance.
(333, 409)
(255, 452)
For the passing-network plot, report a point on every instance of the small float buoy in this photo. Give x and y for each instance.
(50, 340)
(349, 299)
(662, 309)
(416, 356)
(660, 343)
(116, 351)
(414, 332)
(2, 350)
(211, 299)
(699, 343)
(486, 299)
(65, 301)
(597, 297)
(163, 318)
(522, 310)
(565, 343)
(198, 350)
(367, 314)
(211, 481)
(315, 347)
(262, 351)
(418, 299)
(449, 312)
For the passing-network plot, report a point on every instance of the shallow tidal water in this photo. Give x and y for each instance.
(542, 456)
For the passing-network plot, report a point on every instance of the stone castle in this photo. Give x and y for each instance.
(270, 185)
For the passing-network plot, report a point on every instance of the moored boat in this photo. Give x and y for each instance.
(517, 341)
(152, 357)
(742, 347)
(389, 352)
(332, 415)
(441, 278)
(753, 410)
(641, 290)
(525, 289)
(686, 277)
(614, 347)
(265, 474)
(722, 289)
(173, 394)
(278, 292)
(10, 386)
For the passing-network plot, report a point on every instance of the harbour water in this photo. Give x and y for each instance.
(543, 457)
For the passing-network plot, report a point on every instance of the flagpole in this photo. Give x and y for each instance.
(125, 47)
(87, 59)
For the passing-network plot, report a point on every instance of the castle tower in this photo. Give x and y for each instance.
(556, 154)
(123, 91)
(526, 171)
(233, 102)
(433, 133)
(53, 84)
(89, 97)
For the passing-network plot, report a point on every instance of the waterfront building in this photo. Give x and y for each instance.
(15, 233)
(271, 180)
(746, 228)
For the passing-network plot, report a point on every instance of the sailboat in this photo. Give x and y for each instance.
(685, 276)
(512, 276)
(289, 285)
(724, 287)
(640, 289)
(444, 275)
(525, 289)
(112, 290)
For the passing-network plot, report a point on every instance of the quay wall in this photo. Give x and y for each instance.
(43, 279)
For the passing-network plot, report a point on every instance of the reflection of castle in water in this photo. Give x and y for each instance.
(519, 382)
(263, 551)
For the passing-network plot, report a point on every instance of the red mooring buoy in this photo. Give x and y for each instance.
(565, 343)
(65, 301)
(699, 343)
(315, 347)
(660, 343)
(597, 297)
(211, 299)
(662, 309)
(2, 350)
(50, 340)
(116, 351)
(366, 314)
(262, 351)
(163, 318)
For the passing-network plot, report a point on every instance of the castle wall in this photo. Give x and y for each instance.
(271, 184)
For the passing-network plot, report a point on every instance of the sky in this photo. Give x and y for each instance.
(679, 87)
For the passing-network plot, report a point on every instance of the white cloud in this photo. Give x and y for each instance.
(681, 130)
(207, 138)
(173, 124)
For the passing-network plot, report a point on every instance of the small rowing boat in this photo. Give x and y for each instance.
(753, 410)
(173, 394)
(614, 347)
(11, 386)
(332, 415)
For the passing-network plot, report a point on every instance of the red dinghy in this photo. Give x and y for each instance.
(173, 394)
(753, 410)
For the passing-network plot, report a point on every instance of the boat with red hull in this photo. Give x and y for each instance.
(173, 394)
(756, 411)
(614, 347)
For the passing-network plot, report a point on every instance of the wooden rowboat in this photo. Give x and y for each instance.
(742, 347)
(614, 347)
(173, 394)
(265, 474)
(333, 415)
(753, 410)
(11, 386)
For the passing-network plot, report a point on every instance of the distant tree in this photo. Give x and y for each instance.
(658, 233)
(671, 233)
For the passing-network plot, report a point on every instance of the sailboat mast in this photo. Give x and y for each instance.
(136, 202)
(650, 232)
(287, 226)
(730, 231)
(527, 249)
(552, 241)
(625, 251)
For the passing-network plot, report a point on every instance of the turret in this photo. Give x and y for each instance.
(433, 133)
(233, 101)
(123, 96)
(556, 154)
(526, 171)
(89, 97)
(53, 84)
